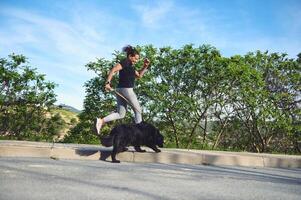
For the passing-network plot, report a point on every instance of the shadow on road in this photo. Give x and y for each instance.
(88, 151)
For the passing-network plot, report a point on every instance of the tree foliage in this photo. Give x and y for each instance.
(25, 99)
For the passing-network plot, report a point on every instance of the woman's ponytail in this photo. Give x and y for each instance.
(130, 51)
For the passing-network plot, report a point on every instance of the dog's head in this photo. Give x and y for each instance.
(159, 139)
(153, 132)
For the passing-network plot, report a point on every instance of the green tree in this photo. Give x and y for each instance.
(264, 99)
(25, 98)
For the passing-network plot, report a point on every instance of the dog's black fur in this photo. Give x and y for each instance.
(136, 135)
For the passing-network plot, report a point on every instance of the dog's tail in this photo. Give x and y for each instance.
(107, 141)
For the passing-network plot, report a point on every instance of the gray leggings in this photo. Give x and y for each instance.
(130, 95)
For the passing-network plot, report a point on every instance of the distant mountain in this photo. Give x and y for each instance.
(70, 108)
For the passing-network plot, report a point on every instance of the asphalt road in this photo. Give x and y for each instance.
(38, 179)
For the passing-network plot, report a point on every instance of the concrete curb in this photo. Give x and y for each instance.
(10, 148)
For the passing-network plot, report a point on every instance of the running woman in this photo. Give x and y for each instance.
(127, 76)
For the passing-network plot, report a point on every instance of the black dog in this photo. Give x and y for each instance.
(136, 135)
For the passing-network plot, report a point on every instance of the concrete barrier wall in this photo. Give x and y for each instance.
(179, 156)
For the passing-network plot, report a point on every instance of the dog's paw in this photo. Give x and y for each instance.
(115, 161)
(158, 151)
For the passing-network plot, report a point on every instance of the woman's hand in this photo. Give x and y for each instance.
(108, 87)
(140, 73)
(146, 62)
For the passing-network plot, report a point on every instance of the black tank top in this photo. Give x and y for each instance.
(126, 75)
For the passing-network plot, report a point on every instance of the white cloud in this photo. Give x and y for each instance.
(55, 47)
(51, 34)
(151, 15)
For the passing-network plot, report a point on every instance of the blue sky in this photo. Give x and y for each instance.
(60, 36)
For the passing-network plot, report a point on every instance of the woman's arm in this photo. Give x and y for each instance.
(140, 73)
(112, 72)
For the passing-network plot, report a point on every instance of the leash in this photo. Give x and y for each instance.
(126, 100)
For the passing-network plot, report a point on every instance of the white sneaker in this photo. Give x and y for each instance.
(97, 125)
